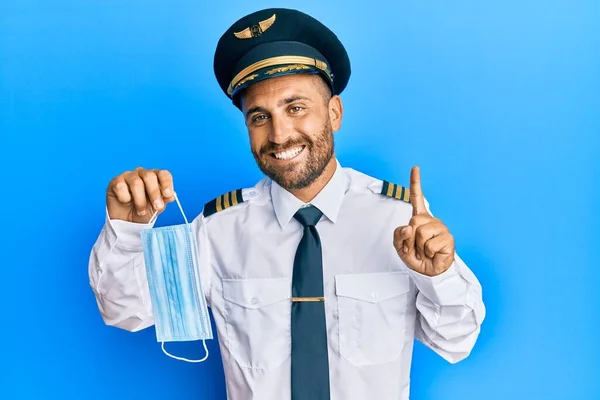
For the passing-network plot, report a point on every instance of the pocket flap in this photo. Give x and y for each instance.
(256, 293)
(372, 287)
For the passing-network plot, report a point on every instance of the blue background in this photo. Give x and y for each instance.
(497, 101)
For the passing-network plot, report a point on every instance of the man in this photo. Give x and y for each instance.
(321, 309)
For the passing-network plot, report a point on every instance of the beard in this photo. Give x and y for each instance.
(298, 175)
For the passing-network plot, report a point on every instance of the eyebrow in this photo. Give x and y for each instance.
(283, 102)
(291, 100)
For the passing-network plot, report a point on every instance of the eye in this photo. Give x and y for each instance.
(259, 118)
(296, 109)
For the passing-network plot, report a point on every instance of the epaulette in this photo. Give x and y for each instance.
(396, 191)
(223, 202)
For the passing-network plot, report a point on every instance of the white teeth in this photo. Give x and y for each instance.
(286, 155)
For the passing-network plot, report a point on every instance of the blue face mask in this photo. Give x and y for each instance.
(178, 303)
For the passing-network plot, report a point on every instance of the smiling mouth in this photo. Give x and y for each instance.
(288, 154)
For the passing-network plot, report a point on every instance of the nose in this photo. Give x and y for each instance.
(280, 130)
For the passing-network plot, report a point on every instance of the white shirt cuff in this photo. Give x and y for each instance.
(126, 234)
(442, 289)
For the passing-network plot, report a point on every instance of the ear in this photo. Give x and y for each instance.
(336, 111)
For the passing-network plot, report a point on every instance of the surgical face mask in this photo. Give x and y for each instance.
(178, 303)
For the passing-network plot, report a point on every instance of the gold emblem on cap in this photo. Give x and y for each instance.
(249, 78)
(256, 30)
(295, 67)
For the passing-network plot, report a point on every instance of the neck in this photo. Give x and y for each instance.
(310, 192)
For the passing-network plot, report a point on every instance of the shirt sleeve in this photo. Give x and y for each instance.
(117, 273)
(451, 311)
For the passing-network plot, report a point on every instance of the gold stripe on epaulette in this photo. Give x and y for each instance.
(223, 202)
(226, 200)
(395, 191)
(390, 190)
(219, 203)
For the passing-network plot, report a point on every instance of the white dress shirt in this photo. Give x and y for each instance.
(375, 305)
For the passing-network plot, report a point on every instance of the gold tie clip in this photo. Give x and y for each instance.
(298, 299)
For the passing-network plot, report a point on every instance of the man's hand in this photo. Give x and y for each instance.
(425, 244)
(134, 195)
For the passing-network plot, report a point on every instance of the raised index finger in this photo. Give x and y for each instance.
(416, 194)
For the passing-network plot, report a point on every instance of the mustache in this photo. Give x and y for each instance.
(271, 147)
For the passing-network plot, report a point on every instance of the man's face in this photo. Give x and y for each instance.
(291, 121)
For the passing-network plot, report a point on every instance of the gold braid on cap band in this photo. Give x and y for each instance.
(269, 62)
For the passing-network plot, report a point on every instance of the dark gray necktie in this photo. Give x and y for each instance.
(310, 362)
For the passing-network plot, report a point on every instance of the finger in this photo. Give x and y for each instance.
(416, 194)
(425, 233)
(165, 179)
(119, 189)
(443, 259)
(401, 234)
(152, 188)
(439, 244)
(138, 192)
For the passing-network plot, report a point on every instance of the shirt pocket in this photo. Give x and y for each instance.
(372, 313)
(257, 318)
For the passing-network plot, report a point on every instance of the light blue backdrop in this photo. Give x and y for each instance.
(497, 101)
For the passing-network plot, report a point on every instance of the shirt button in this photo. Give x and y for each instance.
(375, 295)
(254, 301)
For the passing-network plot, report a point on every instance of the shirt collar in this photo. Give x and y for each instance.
(329, 199)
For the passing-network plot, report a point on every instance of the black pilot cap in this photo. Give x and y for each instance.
(276, 42)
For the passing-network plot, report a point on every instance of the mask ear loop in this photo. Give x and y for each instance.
(185, 359)
(155, 215)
